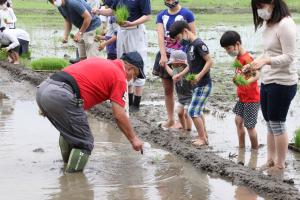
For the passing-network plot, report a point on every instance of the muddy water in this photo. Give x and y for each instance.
(31, 166)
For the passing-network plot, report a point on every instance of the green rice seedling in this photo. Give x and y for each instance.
(239, 80)
(297, 138)
(121, 14)
(3, 54)
(190, 77)
(237, 64)
(49, 64)
(98, 31)
(72, 35)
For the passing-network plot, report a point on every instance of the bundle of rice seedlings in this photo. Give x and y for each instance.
(98, 31)
(72, 35)
(49, 64)
(297, 138)
(237, 64)
(190, 77)
(121, 14)
(3, 54)
(239, 80)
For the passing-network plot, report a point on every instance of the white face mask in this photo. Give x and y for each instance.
(233, 53)
(264, 14)
(58, 3)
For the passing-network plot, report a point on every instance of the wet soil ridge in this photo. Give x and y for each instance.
(145, 123)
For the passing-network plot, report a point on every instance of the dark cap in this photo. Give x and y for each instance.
(135, 59)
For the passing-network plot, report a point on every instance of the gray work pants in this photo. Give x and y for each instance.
(59, 104)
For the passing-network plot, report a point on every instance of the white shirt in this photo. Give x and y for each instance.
(8, 14)
(19, 33)
(279, 42)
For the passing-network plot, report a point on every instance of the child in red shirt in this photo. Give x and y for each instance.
(246, 109)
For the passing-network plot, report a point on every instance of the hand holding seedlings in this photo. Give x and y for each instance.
(176, 77)
(101, 45)
(77, 37)
(122, 15)
(127, 24)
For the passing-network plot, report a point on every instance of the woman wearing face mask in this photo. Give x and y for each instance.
(279, 74)
(164, 20)
(8, 17)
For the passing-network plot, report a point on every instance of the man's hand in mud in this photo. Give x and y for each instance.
(6, 49)
(77, 37)
(137, 144)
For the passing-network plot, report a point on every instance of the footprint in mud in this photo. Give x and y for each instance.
(39, 150)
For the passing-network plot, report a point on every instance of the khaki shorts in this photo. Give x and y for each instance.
(133, 39)
(87, 47)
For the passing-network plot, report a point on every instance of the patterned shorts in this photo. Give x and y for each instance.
(247, 111)
(199, 99)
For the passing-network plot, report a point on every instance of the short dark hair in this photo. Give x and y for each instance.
(230, 38)
(178, 27)
(3, 2)
(280, 11)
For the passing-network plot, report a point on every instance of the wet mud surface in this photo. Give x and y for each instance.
(145, 124)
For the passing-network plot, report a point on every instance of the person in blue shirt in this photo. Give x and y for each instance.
(78, 13)
(132, 37)
(165, 19)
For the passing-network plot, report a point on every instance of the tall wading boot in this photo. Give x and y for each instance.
(75, 60)
(77, 160)
(65, 148)
(136, 104)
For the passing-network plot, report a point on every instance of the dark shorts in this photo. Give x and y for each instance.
(111, 56)
(158, 70)
(59, 104)
(24, 46)
(247, 111)
(275, 101)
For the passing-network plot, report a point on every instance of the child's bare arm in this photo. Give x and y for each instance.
(254, 78)
(177, 77)
(169, 70)
(206, 68)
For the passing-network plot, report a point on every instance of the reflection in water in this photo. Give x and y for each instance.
(74, 186)
(252, 161)
(243, 193)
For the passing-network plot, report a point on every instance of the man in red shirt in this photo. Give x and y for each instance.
(64, 97)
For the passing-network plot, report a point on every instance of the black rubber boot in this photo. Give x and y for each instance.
(130, 99)
(136, 104)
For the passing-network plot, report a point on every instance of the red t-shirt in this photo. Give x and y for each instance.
(248, 93)
(99, 80)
